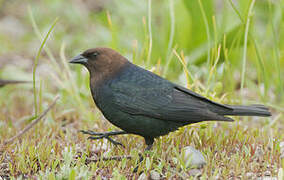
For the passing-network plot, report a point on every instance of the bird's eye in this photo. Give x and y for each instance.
(95, 54)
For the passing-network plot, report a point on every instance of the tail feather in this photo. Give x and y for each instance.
(251, 110)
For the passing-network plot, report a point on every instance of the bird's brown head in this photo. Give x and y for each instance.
(101, 62)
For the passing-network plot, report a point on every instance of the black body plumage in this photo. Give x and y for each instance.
(143, 103)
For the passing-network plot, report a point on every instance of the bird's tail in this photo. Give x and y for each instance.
(251, 110)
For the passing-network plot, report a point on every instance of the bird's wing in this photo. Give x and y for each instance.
(140, 92)
(202, 98)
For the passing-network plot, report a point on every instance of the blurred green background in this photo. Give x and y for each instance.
(197, 28)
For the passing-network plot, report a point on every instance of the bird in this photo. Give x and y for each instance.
(142, 103)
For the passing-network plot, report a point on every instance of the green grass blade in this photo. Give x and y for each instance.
(172, 33)
(245, 45)
(37, 59)
(172, 28)
(276, 52)
(207, 31)
(149, 31)
(39, 36)
(257, 49)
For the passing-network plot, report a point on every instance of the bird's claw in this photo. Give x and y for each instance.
(95, 136)
(115, 142)
(108, 138)
(91, 133)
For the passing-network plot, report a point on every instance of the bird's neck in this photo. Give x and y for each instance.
(98, 77)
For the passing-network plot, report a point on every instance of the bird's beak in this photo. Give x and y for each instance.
(79, 59)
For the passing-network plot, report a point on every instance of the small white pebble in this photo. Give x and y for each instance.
(282, 154)
(250, 175)
(267, 173)
(281, 173)
(281, 144)
(258, 152)
(98, 146)
(218, 177)
(142, 177)
(267, 178)
(4, 165)
(154, 175)
(194, 172)
(193, 157)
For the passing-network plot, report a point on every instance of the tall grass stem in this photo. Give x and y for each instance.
(149, 31)
(245, 45)
(36, 62)
(207, 31)
(172, 33)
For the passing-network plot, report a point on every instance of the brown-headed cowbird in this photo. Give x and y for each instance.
(143, 103)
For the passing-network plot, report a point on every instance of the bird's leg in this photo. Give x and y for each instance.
(111, 133)
(96, 135)
(149, 143)
(149, 147)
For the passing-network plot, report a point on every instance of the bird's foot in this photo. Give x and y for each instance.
(108, 138)
(141, 157)
(149, 147)
(96, 135)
